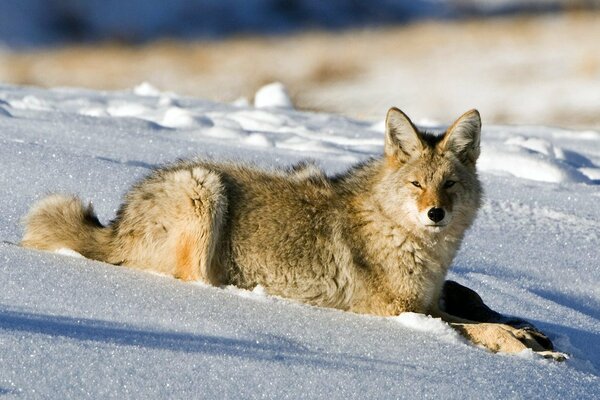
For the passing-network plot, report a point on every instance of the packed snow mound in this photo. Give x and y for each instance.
(538, 159)
(426, 323)
(273, 95)
(72, 327)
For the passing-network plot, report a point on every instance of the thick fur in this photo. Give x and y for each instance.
(362, 241)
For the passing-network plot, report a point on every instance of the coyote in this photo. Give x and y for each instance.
(378, 239)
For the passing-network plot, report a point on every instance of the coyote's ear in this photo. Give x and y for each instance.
(401, 137)
(462, 138)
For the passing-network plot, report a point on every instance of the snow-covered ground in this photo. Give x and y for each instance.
(75, 328)
(542, 70)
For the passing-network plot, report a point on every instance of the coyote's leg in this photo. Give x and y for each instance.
(485, 327)
(499, 338)
(460, 301)
(172, 222)
(199, 226)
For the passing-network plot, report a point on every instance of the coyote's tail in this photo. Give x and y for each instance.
(59, 221)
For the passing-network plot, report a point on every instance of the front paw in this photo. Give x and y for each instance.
(501, 338)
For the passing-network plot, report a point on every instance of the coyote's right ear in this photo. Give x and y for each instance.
(463, 137)
(401, 137)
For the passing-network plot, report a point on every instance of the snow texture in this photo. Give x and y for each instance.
(76, 328)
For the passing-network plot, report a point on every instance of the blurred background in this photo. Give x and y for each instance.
(518, 62)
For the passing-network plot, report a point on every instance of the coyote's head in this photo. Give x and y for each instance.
(432, 178)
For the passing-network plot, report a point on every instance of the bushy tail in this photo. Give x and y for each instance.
(59, 221)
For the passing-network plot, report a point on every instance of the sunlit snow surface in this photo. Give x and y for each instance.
(75, 328)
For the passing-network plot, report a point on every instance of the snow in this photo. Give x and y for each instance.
(536, 158)
(75, 328)
(68, 252)
(273, 95)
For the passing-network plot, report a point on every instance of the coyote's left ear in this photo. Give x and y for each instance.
(401, 136)
(462, 138)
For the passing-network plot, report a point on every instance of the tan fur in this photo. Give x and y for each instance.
(187, 263)
(360, 241)
(498, 337)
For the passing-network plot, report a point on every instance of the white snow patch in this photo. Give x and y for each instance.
(146, 89)
(535, 144)
(273, 95)
(591, 173)
(176, 117)
(259, 120)
(534, 160)
(64, 251)
(220, 132)
(94, 111)
(29, 102)
(258, 139)
(241, 102)
(258, 293)
(426, 323)
(166, 100)
(127, 109)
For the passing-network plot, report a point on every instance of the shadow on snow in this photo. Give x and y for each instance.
(267, 347)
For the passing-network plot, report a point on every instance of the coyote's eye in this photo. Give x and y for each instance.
(449, 184)
(416, 184)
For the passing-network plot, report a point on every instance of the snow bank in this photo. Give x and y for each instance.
(538, 159)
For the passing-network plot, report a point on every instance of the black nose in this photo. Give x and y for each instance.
(436, 214)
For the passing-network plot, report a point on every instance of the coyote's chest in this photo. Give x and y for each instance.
(402, 272)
